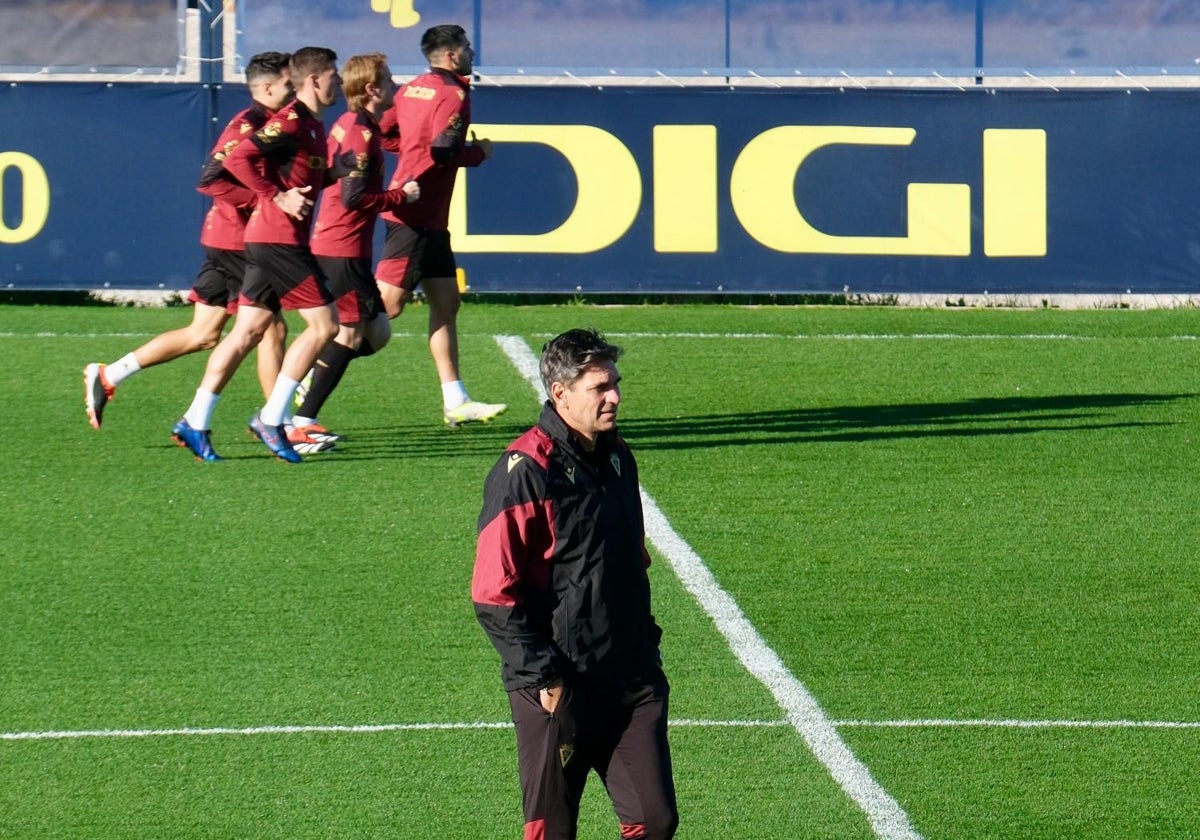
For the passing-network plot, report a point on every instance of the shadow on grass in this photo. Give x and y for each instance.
(425, 440)
(982, 416)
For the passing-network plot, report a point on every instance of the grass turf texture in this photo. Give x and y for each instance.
(994, 526)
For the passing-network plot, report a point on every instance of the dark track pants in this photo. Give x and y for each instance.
(619, 733)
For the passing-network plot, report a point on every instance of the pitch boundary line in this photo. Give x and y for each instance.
(884, 813)
(726, 336)
(687, 723)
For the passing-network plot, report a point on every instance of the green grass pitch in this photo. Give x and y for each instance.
(971, 535)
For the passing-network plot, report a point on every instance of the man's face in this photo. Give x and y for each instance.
(275, 93)
(589, 404)
(461, 58)
(387, 90)
(328, 85)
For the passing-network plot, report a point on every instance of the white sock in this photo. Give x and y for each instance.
(199, 415)
(121, 369)
(453, 394)
(276, 409)
(304, 421)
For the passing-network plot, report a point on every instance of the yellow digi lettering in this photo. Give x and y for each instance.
(401, 13)
(608, 194)
(35, 198)
(763, 194)
(1014, 192)
(685, 189)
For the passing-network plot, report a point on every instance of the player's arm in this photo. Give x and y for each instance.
(389, 127)
(350, 162)
(352, 166)
(215, 182)
(357, 196)
(449, 146)
(247, 163)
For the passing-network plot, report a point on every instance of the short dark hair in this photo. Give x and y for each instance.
(267, 64)
(565, 357)
(446, 36)
(311, 61)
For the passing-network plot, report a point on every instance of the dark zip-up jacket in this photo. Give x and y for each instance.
(560, 583)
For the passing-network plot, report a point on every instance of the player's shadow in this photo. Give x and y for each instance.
(966, 418)
(427, 440)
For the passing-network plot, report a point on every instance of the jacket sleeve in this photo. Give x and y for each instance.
(449, 145)
(389, 127)
(247, 160)
(214, 181)
(512, 571)
(350, 163)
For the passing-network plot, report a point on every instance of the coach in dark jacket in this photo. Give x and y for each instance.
(560, 587)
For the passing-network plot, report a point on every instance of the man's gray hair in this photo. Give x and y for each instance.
(565, 357)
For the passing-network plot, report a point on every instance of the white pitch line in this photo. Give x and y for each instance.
(331, 728)
(730, 336)
(940, 723)
(691, 723)
(891, 336)
(887, 818)
(133, 335)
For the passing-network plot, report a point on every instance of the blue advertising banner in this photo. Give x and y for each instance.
(771, 190)
(670, 190)
(98, 185)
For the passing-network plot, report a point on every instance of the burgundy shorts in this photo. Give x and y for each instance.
(411, 254)
(353, 288)
(283, 277)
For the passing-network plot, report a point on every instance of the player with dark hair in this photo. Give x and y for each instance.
(561, 589)
(214, 294)
(433, 115)
(284, 164)
(343, 231)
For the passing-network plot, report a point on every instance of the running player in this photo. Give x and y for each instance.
(284, 164)
(433, 115)
(214, 295)
(343, 231)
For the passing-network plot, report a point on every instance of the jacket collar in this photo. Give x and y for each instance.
(451, 76)
(553, 425)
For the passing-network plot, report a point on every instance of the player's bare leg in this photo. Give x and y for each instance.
(394, 298)
(193, 429)
(270, 354)
(203, 333)
(321, 326)
(444, 303)
(101, 381)
(251, 324)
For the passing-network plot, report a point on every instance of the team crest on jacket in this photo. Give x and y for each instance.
(570, 471)
(514, 459)
(565, 753)
(616, 462)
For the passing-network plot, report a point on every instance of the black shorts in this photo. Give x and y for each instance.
(219, 279)
(412, 254)
(353, 288)
(283, 277)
